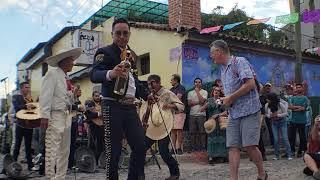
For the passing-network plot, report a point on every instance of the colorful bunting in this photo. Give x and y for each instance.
(258, 21)
(311, 16)
(210, 29)
(230, 26)
(287, 19)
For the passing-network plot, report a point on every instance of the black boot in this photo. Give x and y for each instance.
(42, 166)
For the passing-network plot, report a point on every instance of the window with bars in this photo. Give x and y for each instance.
(143, 64)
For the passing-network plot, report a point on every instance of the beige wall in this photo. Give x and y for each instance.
(63, 43)
(86, 89)
(158, 44)
(35, 82)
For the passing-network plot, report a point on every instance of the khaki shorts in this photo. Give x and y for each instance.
(244, 131)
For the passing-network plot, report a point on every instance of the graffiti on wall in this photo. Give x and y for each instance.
(89, 41)
(196, 63)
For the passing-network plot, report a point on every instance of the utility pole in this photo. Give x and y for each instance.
(298, 68)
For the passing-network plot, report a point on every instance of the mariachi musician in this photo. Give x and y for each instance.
(118, 107)
(22, 101)
(95, 121)
(56, 105)
(157, 117)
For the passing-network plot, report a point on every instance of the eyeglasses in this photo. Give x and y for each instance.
(150, 83)
(123, 33)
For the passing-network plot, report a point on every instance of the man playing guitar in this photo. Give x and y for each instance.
(20, 101)
(94, 119)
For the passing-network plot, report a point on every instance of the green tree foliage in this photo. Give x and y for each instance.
(261, 31)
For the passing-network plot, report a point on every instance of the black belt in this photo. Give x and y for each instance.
(124, 101)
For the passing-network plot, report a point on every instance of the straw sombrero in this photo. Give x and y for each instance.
(32, 114)
(62, 54)
(210, 125)
(158, 128)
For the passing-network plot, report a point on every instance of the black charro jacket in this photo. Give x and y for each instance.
(105, 59)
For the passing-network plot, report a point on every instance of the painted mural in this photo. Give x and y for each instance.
(197, 63)
(274, 69)
(311, 74)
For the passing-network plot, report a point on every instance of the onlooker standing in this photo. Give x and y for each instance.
(298, 104)
(179, 118)
(263, 101)
(95, 121)
(217, 149)
(78, 108)
(196, 99)
(267, 88)
(309, 120)
(312, 157)
(277, 113)
(242, 98)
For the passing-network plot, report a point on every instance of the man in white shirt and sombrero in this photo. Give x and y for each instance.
(56, 99)
(160, 121)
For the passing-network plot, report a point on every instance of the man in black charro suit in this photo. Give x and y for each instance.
(119, 112)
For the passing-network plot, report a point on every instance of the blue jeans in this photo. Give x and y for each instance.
(280, 126)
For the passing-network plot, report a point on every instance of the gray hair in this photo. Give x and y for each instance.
(220, 44)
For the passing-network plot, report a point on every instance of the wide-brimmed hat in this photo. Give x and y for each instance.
(85, 159)
(210, 125)
(268, 84)
(159, 126)
(12, 168)
(32, 114)
(62, 54)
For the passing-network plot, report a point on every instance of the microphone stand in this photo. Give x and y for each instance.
(158, 104)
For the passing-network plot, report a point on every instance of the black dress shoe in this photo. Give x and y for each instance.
(172, 178)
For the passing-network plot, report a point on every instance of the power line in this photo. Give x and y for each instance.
(75, 12)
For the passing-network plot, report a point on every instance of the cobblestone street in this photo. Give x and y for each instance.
(282, 169)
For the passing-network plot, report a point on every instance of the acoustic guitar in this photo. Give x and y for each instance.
(29, 118)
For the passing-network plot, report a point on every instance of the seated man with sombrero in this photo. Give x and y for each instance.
(56, 100)
(161, 107)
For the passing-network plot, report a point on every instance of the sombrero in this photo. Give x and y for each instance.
(31, 114)
(62, 54)
(158, 128)
(85, 159)
(210, 125)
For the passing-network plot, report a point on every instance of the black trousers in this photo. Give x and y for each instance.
(261, 144)
(73, 147)
(120, 120)
(165, 154)
(293, 128)
(96, 140)
(269, 126)
(27, 135)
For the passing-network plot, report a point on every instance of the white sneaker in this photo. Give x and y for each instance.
(289, 158)
(35, 168)
(36, 159)
(275, 158)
